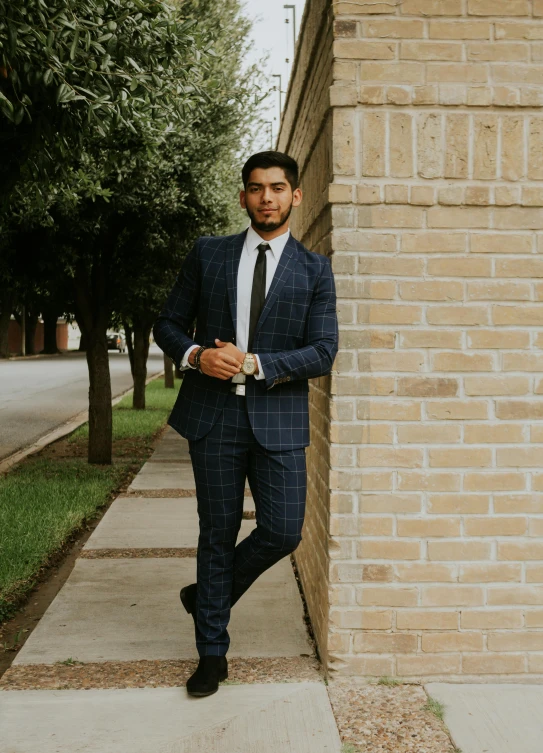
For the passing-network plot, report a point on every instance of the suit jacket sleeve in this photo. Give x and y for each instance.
(173, 328)
(321, 334)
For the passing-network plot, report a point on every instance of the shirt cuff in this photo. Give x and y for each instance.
(260, 374)
(185, 360)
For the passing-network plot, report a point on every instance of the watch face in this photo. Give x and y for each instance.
(248, 365)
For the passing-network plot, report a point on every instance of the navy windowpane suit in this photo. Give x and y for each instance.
(260, 436)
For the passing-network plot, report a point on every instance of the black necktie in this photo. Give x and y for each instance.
(258, 293)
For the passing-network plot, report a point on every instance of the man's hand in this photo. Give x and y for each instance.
(222, 362)
(231, 348)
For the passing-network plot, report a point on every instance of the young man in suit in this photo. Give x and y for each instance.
(266, 322)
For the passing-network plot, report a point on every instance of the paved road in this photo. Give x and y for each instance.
(39, 394)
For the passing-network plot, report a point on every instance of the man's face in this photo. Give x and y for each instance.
(268, 198)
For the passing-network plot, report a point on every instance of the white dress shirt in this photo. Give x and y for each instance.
(246, 270)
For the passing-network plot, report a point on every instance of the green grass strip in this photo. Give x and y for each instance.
(45, 500)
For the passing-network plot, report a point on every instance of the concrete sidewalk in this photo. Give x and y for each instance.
(105, 669)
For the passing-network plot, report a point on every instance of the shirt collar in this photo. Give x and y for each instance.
(253, 240)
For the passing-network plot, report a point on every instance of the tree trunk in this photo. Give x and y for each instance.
(83, 341)
(100, 417)
(50, 332)
(30, 332)
(128, 332)
(141, 352)
(5, 317)
(168, 373)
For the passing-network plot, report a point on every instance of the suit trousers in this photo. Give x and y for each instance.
(222, 460)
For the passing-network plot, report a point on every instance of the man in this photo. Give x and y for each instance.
(266, 322)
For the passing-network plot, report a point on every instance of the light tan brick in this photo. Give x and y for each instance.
(534, 573)
(500, 52)
(386, 549)
(519, 409)
(455, 551)
(519, 268)
(521, 550)
(383, 456)
(512, 595)
(425, 572)
(374, 526)
(452, 642)
(429, 154)
(506, 195)
(458, 457)
(434, 242)
(424, 665)
(458, 410)
(431, 7)
(485, 126)
(491, 619)
(462, 504)
(519, 456)
(459, 267)
(366, 666)
(425, 95)
(534, 618)
(371, 6)
(492, 664)
(396, 193)
(496, 385)
(428, 481)
(468, 73)
(339, 642)
(432, 290)
(390, 216)
(455, 29)
(511, 641)
(388, 410)
(429, 527)
(370, 619)
(393, 28)
(495, 526)
(424, 434)
(393, 72)
(496, 339)
(461, 315)
(386, 643)
(389, 503)
(499, 7)
(427, 386)
(397, 267)
(362, 49)
(518, 503)
(518, 218)
(344, 141)
(493, 434)
(423, 195)
(430, 50)
(368, 194)
(389, 313)
(456, 146)
(498, 243)
(430, 338)
(384, 596)
(523, 362)
(339, 192)
(462, 362)
(401, 145)
(395, 361)
(498, 291)
(490, 572)
(425, 619)
(535, 527)
(361, 434)
(373, 143)
(479, 482)
(452, 596)
(535, 148)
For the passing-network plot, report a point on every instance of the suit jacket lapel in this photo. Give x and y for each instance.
(285, 267)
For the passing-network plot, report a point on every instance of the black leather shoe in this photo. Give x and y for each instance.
(210, 672)
(188, 599)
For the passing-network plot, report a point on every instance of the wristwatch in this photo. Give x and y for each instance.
(249, 364)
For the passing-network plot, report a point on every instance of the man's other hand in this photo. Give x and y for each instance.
(223, 361)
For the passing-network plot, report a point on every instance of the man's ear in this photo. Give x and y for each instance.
(296, 197)
(242, 199)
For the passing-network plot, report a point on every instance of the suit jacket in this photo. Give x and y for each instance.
(296, 338)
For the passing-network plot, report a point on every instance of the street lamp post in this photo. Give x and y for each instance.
(293, 9)
(270, 124)
(278, 75)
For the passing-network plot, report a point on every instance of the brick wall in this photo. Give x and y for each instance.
(307, 135)
(436, 412)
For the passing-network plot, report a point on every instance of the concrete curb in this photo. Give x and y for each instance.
(61, 431)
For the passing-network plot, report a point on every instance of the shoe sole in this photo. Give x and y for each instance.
(183, 601)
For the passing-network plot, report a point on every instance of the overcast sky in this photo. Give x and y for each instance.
(271, 33)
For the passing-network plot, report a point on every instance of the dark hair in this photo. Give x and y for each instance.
(271, 159)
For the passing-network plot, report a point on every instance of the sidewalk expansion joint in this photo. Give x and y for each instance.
(164, 493)
(95, 554)
(75, 675)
